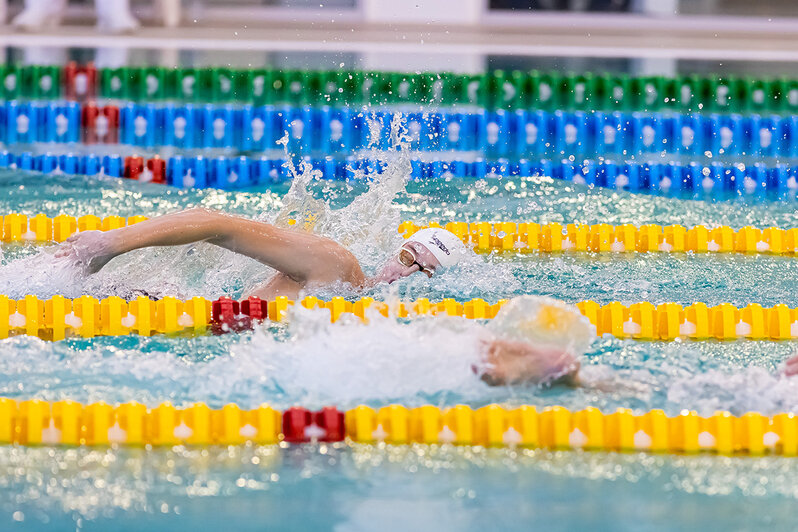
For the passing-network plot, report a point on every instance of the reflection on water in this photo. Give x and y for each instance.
(390, 488)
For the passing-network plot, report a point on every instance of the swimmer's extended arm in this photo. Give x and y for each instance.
(791, 366)
(301, 256)
(514, 362)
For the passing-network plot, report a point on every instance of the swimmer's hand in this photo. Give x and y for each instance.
(791, 366)
(90, 249)
(514, 362)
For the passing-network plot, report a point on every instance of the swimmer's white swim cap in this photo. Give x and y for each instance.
(443, 244)
(544, 321)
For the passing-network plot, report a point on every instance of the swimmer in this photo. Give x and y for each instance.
(302, 260)
(791, 366)
(535, 340)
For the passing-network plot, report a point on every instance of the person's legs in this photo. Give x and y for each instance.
(40, 13)
(169, 11)
(115, 15)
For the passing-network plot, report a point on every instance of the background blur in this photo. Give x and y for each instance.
(639, 37)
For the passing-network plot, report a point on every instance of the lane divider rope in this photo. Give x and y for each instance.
(58, 317)
(529, 237)
(230, 173)
(486, 237)
(342, 130)
(498, 88)
(36, 422)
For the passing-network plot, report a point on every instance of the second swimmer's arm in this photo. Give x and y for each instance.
(515, 362)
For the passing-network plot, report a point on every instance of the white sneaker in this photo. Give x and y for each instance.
(40, 14)
(115, 16)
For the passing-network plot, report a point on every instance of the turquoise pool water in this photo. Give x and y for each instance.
(312, 363)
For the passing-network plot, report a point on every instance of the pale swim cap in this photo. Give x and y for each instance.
(545, 322)
(443, 244)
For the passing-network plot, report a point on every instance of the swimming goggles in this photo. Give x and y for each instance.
(407, 257)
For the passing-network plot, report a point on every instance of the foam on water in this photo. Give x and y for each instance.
(313, 363)
(384, 361)
(750, 390)
(41, 274)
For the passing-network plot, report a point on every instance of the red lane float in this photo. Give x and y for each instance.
(255, 308)
(157, 168)
(134, 166)
(300, 425)
(100, 124)
(229, 315)
(152, 170)
(80, 81)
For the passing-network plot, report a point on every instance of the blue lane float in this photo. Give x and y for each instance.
(342, 130)
(29, 122)
(779, 181)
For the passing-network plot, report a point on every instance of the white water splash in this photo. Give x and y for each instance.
(41, 274)
(367, 225)
(350, 362)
